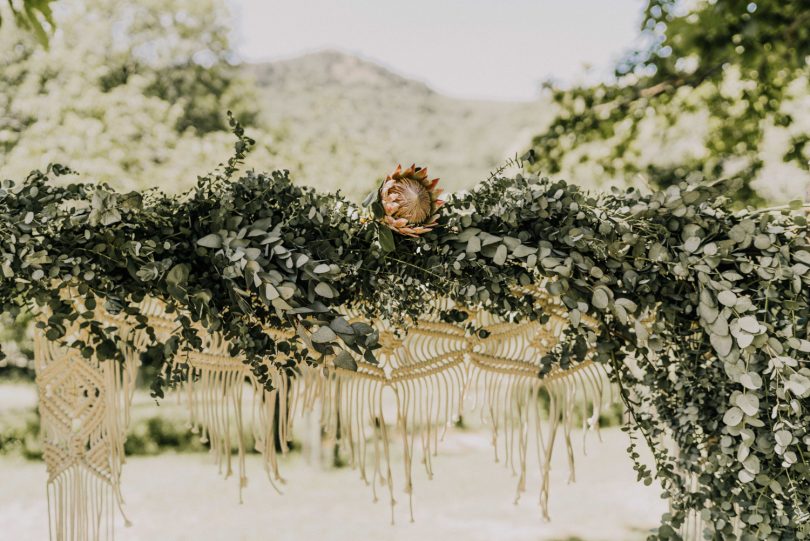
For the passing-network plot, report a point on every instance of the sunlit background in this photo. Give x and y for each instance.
(463, 49)
(134, 94)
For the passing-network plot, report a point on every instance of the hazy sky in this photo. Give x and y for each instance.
(499, 49)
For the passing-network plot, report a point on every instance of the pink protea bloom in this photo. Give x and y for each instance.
(411, 201)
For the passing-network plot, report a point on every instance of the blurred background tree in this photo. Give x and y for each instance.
(715, 89)
(130, 93)
(134, 94)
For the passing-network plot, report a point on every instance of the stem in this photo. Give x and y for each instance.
(780, 207)
(631, 411)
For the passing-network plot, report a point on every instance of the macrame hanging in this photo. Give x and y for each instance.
(84, 411)
(429, 373)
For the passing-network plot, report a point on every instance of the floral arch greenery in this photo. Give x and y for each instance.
(701, 311)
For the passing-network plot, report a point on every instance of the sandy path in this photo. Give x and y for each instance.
(180, 497)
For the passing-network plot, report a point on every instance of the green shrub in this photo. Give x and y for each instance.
(19, 434)
(149, 436)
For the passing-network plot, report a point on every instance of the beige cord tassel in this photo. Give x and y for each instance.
(410, 399)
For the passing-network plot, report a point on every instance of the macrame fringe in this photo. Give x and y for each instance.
(422, 385)
(427, 379)
(353, 416)
(84, 409)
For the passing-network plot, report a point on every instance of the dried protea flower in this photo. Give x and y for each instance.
(410, 201)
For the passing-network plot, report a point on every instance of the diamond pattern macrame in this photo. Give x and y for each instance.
(426, 377)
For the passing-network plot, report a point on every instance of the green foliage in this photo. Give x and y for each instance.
(15, 337)
(154, 435)
(733, 73)
(129, 92)
(34, 16)
(703, 313)
(20, 435)
(203, 91)
(181, 53)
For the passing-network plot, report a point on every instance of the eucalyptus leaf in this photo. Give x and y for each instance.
(727, 298)
(345, 361)
(500, 255)
(211, 241)
(748, 403)
(323, 335)
(178, 275)
(324, 290)
(386, 239)
(733, 416)
(600, 299)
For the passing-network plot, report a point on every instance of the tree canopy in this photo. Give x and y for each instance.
(713, 88)
(131, 93)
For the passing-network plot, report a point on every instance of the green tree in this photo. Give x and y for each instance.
(718, 88)
(130, 93)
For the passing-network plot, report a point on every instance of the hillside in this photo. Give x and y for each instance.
(344, 122)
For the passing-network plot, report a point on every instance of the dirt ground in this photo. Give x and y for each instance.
(180, 497)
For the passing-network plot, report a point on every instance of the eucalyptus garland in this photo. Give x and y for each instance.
(702, 310)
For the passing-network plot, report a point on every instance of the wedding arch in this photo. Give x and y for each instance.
(530, 293)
